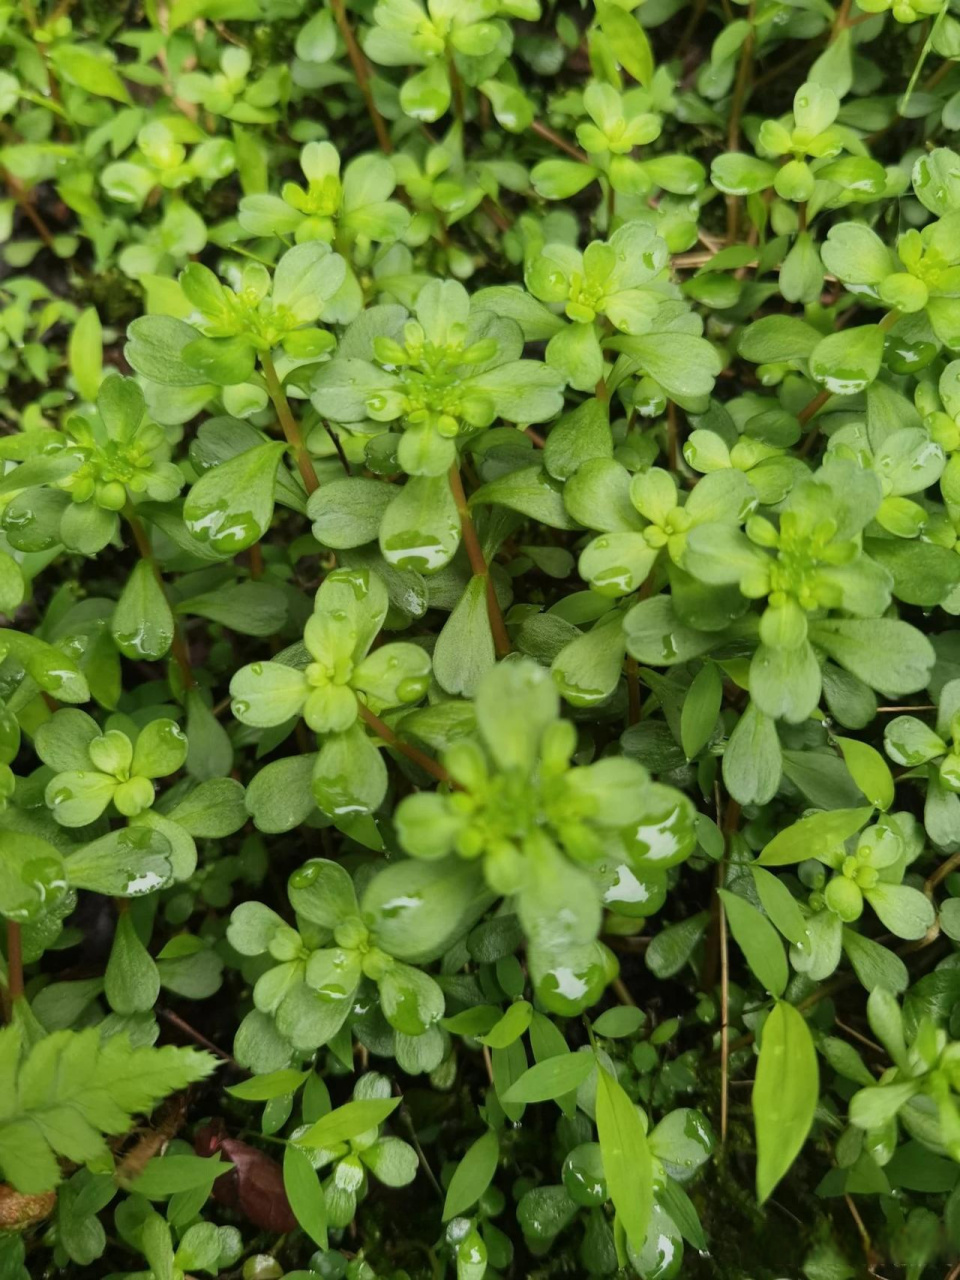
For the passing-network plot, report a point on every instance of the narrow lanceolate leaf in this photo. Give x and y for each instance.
(549, 1080)
(779, 904)
(275, 1084)
(347, 1121)
(785, 1094)
(472, 1175)
(758, 940)
(302, 1185)
(85, 353)
(811, 837)
(627, 1163)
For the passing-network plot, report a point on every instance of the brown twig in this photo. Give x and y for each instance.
(494, 213)
(724, 1024)
(22, 198)
(407, 1121)
(622, 992)
(291, 428)
(337, 444)
(923, 706)
(561, 143)
(255, 560)
(841, 18)
(856, 1035)
(383, 730)
(806, 413)
(696, 16)
(941, 873)
(362, 75)
(478, 564)
(862, 1232)
(176, 1021)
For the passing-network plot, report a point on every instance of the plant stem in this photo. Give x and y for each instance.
(551, 136)
(841, 19)
(724, 1024)
(361, 73)
(407, 1121)
(478, 564)
(496, 216)
(178, 645)
(383, 730)
(256, 561)
(337, 445)
(176, 1021)
(696, 17)
(806, 413)
(863, 1233)
(936, 877)
(23, 201)
(622, 992)
(922, 57)
(731, 819)
(291, 428)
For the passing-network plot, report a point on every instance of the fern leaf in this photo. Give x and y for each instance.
(70, 1090)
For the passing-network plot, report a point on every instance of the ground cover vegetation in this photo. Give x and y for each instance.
(479, 680)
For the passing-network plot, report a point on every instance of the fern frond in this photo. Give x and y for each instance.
(71, 1090)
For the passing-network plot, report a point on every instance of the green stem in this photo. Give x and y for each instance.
(918, 66)
(291, 428)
